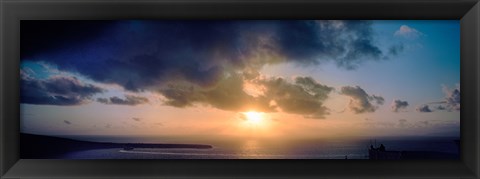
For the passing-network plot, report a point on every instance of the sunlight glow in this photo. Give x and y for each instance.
(254, 117)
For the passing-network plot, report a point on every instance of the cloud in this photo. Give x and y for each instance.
(452, 98)
(423, 124)
(347, 43)
(147, 55)
(440, 107)
(377, 125)
(228, 95)
(360, 101)
(129, 100)
(378, 99)
(50, 35)
(396, 49)
(424, 108)
(67, 122)
(402, 123)
(242, 116)
(408, 32)
(304, 96)
(398, 104)
(56, 90)
(26, 73)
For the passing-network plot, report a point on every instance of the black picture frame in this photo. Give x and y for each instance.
(13, 11)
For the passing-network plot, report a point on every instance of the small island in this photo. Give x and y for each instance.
(34, 146)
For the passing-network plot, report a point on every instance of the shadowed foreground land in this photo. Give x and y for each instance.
(43, 147)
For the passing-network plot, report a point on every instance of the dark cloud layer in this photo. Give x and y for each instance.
(129, 100)
(398, 105)
(48, 36)
(345, 42)
(360, 101)
(208, 62)
(56, 90)
(141, 55)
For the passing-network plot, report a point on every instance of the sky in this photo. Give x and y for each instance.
(243, 78)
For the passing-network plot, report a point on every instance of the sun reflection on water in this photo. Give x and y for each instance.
(250, 148)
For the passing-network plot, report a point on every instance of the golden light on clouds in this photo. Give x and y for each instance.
(253, 89)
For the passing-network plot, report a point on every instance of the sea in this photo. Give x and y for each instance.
(253, 148)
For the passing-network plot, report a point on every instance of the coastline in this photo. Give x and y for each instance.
(33, 146)
(71, 147)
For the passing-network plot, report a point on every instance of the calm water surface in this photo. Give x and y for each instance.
(259, 149)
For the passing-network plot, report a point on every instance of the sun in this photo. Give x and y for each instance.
(254, 117)
(256, 124)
